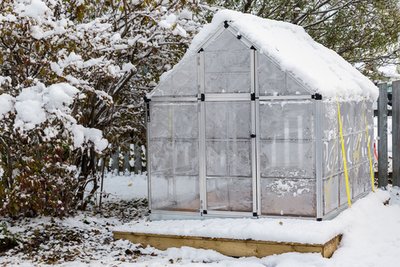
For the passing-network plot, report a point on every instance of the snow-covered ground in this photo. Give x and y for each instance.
(125, 187)
(371, 236)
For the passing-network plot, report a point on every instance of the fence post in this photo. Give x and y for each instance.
(382, 136)
(127, 157)
(138, 158)
(115, 161)
(396, 133)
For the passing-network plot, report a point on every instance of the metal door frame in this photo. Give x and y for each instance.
(204, 97)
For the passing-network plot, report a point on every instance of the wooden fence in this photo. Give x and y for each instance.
(383, 113)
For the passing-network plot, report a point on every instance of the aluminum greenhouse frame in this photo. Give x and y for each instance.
(231, 134)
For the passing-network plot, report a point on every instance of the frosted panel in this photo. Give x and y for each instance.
(228, 120)
(331, 194)
(185, 120)
(239, 158)
(180, 193)
(228, 145)
(217, 154)
(288, 197)
(227, 82)
(225, 41)
(331, 157)
(186, 157)
(161, 123)
(227, 61)
(342, 189)
(227, 65)
(173, 154)
(272, 80)
(330, 123)
(161, 157)
(357, 181)
(287, 159)
(356, 150)
(182, 80)
(173, 119)
(287, 120)
(229, 194)
(228, 158)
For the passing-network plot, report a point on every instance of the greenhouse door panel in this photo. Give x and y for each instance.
(229, 180)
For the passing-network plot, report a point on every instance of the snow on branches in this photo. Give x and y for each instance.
(72, 77)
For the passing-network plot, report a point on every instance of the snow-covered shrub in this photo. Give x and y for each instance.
(37, 138)
(103, 54)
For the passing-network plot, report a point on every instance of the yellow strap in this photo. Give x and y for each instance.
(371, 168)
(346, 174)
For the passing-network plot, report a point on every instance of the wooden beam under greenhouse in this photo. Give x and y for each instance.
(228, 246)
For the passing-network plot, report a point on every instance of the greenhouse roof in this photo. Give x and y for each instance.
(320, 69)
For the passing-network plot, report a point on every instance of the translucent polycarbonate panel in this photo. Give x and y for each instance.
(330, 125)
(357, 180)
(227, 65)
(174, 156)
(272, 80)
(356, 155)
(230, 194)
(365, 172)
(228, 158)
(225, 41)
(173, 120)
(161, 156)
(186, 157)
(288, 197)
(287, 158)
(348, 144)
(342, 189)
(185, 120)
(227, 61)
(360, 109)
(181, 81)
(331, 193)
(228, 120)
(348, 112)
(287, 120)
(176, 193)
(161, 120)
(228, 146)
(227, 82)
(331, 156)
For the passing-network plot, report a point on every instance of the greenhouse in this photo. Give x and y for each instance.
(250, 123)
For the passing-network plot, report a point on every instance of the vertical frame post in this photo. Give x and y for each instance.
(382, 136)
(148, 163)
(253, 133)
(318, 157)
(257, 119)
(202, 132)
(396, 133)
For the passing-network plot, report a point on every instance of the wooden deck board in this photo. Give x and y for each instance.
(229, 247)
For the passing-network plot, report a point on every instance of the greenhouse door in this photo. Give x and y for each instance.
(228, 141)
(227, 126)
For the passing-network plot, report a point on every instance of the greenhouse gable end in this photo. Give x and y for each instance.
(247, 124)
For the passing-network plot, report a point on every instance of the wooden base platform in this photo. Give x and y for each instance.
(229, 247)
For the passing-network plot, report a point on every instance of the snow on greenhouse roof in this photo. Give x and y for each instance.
(319, 68)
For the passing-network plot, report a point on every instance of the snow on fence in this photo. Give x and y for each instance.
(383, 113)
